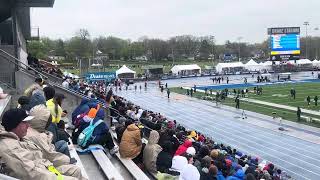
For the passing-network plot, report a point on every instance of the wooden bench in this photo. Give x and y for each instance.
(134, 170)
(105, 164)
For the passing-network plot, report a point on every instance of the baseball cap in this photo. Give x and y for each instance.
(13, 117)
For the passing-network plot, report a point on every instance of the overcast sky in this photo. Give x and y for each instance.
(131, 19)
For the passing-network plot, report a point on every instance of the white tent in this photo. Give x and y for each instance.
(186, 69)
(221, 66)
(125, 72)
(253, 66)
(316, 63)
(304, 61)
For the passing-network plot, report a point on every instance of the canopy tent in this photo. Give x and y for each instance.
(253, 66)
(229, 67)
(316, 63)
(125, 72)
(304, 61)
(190, 69)
(153, 69)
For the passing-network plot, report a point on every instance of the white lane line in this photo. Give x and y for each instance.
(291, 172)
(266, 153)
(257, 131)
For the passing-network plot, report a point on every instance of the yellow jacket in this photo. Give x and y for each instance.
(51, 106)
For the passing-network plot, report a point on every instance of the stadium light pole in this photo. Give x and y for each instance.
(212, 38)
(239, 39)
(317, 44)
(306, 23)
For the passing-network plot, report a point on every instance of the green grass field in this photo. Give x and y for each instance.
(280, 94)
(268, 110)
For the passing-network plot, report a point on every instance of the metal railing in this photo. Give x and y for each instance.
(7, 56)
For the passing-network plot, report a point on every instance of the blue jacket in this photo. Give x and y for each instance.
(239, 175)
(220, 176)
(82, 108)
(99, 133)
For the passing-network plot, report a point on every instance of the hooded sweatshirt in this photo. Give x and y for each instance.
(131, 145)
(183, 148)
(30, 159)
(151, 151)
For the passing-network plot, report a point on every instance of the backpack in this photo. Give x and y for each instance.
(86, 134)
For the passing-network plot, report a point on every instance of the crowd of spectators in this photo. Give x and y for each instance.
(33, 141)
(44, 66)
(172, 151)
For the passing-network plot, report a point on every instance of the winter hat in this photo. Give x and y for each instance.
(191, 150)
(41, 115)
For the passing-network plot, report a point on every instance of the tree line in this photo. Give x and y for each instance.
(179, 47)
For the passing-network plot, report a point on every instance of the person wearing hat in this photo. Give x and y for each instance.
(15, 151)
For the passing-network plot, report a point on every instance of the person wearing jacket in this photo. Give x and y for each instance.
(151, 151)
(101, 134)
(36, 86)
(38, 134)
(42, 124)
(183, 148)
(238, 175)
(131, 144)
(32, 162)
(82, 108)
(54, 105)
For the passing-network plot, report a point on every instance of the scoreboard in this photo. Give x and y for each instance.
(284, 43)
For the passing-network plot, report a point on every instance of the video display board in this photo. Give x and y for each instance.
(285, 43)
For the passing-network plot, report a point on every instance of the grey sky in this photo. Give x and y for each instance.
(225, 19)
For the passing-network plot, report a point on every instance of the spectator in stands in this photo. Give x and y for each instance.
(169, 135)
(23, 103)
(40, 136)
(23, 158)
(42, 123)
(49, 92)
(37, 98)
(190, 172)
(131, 144)
(82, 108)
(121, 127)
(37, 85)
(183, 148)
(65, 83)
(164, 159)
(101, 134)
(54, 105)
(151, 151)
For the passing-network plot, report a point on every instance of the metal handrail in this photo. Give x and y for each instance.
(7, 85)
(25, 68)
